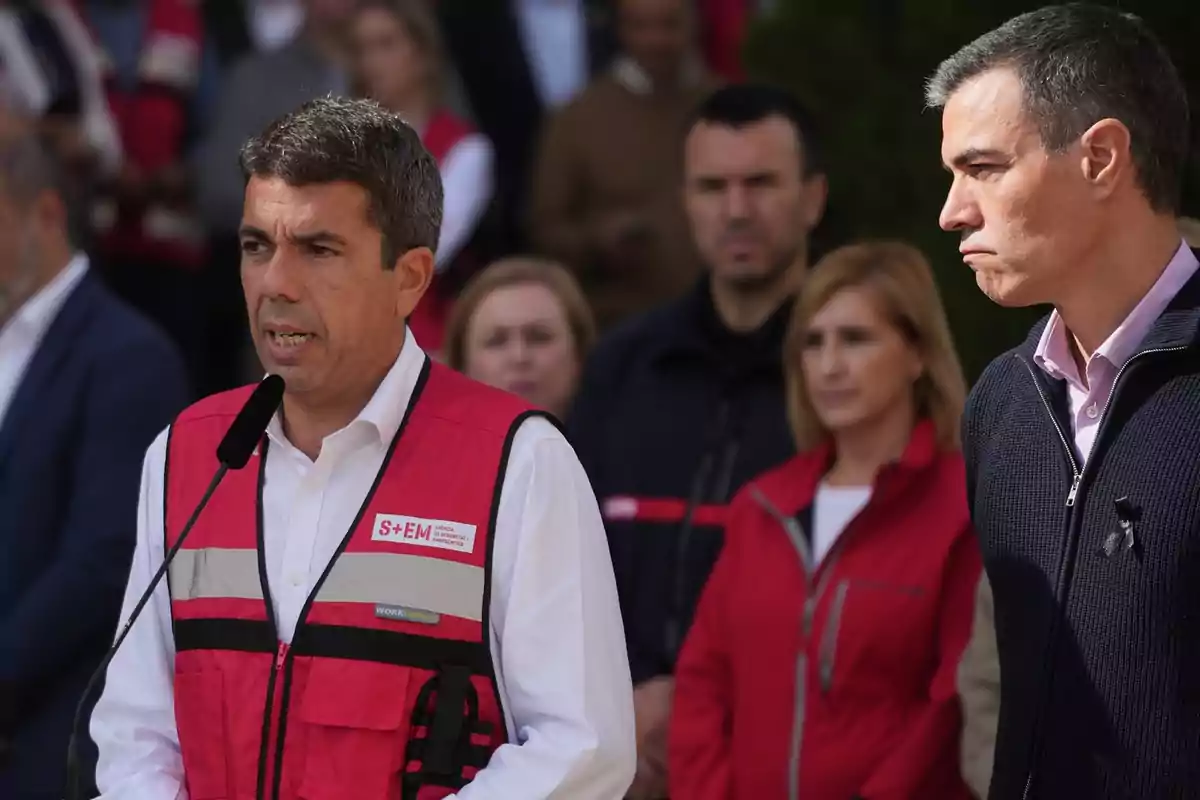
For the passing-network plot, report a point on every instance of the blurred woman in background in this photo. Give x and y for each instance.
(822, 660)
(398, 59)
(523, 325)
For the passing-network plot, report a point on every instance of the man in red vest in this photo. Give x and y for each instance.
(407, 592)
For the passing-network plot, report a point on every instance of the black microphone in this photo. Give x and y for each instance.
(233, 452)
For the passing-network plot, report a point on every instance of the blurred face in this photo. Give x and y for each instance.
(24, 230)
(858, 366)
(325, 314)
(519, 340)
(389, 63)
(656, 34)
(749, 206)
(1025, 215)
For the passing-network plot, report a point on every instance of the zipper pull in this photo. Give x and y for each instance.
(1074, 490)
(281, 655)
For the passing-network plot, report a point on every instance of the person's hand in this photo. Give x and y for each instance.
(652, 714)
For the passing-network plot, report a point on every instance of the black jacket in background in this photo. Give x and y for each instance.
(674, 414)
(1099, 642)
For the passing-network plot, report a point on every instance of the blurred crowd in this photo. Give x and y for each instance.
(625, 242)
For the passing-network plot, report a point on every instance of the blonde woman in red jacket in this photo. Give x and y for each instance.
(821, 663)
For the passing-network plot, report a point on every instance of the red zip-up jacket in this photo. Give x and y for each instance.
(838, 681)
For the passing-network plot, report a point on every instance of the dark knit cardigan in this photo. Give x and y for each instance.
(1095, 573)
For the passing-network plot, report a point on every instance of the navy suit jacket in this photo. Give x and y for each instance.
(102, 384)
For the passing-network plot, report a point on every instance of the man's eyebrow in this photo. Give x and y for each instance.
(317, 237)
(972, 154)
(249, 231)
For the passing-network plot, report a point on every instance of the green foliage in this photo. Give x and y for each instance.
(862, 67)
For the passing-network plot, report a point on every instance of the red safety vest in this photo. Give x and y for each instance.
(387, 689)
(428, 320)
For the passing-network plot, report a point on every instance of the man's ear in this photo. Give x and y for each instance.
(1105, 157)
(816, 195)
(50, 211)
(414, 273)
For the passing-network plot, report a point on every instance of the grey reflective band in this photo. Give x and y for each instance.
(215, 572)
(392, 579)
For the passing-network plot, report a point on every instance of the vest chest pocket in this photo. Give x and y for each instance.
(200, 719)
(356, 718)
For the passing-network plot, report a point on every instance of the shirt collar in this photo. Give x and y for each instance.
(36, 314)
(1053, 354)
(385, 410)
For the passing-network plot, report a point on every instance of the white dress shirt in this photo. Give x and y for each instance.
(466, 191)
(24, 331)
(556, 630)
(554, 33)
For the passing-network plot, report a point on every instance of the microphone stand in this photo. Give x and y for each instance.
(73, 745)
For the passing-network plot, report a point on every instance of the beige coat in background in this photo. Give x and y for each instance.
(979, 690)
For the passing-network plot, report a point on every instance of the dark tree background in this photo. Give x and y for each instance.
(862, 67)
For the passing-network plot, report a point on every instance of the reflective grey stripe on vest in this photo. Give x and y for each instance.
(394, 579)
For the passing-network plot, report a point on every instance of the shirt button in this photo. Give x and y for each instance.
(296, 578)
(1092, 411)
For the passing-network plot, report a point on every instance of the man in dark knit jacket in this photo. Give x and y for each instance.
(1066, 133)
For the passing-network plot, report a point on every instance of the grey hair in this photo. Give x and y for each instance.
(1079, 64)
(333, 139)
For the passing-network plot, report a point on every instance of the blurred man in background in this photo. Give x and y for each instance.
(678, 408)
(605, 189)
(85, 384)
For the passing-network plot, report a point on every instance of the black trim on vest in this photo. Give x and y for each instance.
(390, 647)
(335, 641)
(239, 635)
(166, 534)
(505, 453)
(289, 655)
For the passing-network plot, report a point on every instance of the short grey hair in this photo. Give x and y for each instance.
(1079, 64)
(333, 139)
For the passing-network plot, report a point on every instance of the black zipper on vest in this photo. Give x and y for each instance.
(1069, 547)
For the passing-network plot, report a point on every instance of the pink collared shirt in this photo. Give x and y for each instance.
(1088, 397)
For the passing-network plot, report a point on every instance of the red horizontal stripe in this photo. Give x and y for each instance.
(661, 509)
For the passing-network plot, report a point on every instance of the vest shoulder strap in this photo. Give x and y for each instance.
(455, 398)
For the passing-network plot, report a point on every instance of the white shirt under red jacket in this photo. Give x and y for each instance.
(554, 623)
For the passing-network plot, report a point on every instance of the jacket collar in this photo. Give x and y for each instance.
(1177, 326)
(695, 331)
(796, 481)
(64, 334)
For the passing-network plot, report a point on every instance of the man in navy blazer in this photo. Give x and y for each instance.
(85, 385)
